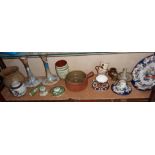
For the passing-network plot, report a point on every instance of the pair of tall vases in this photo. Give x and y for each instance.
(32, 81)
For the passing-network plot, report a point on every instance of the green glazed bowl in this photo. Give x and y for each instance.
(57, 91)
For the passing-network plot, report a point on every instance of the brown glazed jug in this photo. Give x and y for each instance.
(113, 74)
(11, 74)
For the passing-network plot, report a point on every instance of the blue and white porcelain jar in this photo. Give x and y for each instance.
(18, 89)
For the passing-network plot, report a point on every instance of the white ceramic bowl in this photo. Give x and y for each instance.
(102, 78)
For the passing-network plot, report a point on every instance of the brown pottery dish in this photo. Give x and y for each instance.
(77, 80)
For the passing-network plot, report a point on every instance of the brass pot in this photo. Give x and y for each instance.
(77, 80)
(11, 74)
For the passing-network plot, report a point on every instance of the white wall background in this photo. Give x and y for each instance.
(85, 63)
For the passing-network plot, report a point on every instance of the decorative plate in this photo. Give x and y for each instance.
(144, 74)
(57, 91)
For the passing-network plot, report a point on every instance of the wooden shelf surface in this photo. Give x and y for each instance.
(89, 94)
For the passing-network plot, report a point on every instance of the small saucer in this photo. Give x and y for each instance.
(57, 91)
(121, 91)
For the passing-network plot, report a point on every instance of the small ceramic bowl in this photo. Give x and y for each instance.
(101, 78)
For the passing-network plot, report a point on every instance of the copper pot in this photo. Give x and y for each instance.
(77, 80)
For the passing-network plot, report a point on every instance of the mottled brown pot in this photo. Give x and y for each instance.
(113, 74)
(11, 74)
(77, 80)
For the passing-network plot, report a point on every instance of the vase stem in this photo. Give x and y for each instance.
(50, 78)
(31, 81)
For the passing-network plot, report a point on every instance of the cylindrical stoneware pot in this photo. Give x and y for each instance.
(62, 68)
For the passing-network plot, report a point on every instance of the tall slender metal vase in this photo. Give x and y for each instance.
(50, 78)
(32, 81)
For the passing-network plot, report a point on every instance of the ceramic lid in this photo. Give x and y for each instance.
(42, 88)
(15, 84)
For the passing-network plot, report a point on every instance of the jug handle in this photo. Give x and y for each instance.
(89, 75)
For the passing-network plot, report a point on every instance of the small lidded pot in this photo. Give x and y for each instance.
(43, 91)
(18, 89)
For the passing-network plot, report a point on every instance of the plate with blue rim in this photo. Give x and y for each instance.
(144, 74)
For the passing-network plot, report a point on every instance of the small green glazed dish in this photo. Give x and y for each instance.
(57, 91)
